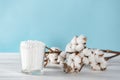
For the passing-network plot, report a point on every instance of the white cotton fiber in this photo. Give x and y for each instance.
(74, 40)
(81, 39)
(73, 48)
(103, 65)
(79, 47)
(96, 67)
(68, 48)
(85, 60)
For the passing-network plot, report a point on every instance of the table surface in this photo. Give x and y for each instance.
(10, 69)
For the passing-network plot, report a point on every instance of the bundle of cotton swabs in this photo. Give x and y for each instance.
(76, 55)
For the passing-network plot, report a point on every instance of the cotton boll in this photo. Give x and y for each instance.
(72, 66)
(98, 52)
(74, 40)
(68, 69)
(61, 57)
(92, 64)
(60, 60)
(68, 48)
(55, 48)
(82, 36)
(63, 54)
(71, 56)
(79, 47)
(67, 55)
(81, 54)
(74, 62)
(96, 67)
(81, 39)
(73, 48)
(103, 65)
(85, 60)
(99, 56)
(87, 52)
(102, 59)
(92, 50)
(77, 59)
(92, 58)
(99, 59)
(77, 67)
(69, 61)
(52, 58)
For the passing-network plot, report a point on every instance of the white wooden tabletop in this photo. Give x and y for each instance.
(10, 69)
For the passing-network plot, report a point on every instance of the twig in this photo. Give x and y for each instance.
(75, 52)
(113, 52)
(110, 51)
(81, 67)
(46, 62)
(72, 52)
(53, 52)
(110, 57)
(49, 49)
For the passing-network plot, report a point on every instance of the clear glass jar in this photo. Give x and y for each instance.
(32, 56)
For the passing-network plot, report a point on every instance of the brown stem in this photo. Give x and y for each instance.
(110, 51)
(73, 52)
(70, 52)
(46, 62)
(53, 52)
(81, 67)
(49, 49)
(47, 52)
(110, 57)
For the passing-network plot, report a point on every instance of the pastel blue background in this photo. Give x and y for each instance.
(55, 22)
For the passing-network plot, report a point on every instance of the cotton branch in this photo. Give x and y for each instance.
(52, 51)
(81, 67)
(110, 57)
(113, 52)
(51, 55)
(49, 49)
(110, 51)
